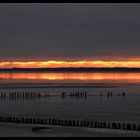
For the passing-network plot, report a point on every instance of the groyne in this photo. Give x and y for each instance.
(71, 123)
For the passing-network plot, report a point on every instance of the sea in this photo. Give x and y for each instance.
(122, 106)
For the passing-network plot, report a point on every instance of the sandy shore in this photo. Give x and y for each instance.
(25, 130)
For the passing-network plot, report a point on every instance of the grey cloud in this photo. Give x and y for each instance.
(69, 29)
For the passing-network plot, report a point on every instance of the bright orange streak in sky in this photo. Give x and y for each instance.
(58, 64)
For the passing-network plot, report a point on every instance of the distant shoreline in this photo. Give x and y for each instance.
(70, 70)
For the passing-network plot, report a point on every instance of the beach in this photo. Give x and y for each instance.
(25, 130)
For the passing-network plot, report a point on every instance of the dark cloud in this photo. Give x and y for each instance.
(69, 30)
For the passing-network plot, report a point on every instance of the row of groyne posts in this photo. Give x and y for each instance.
(20, 95)
(110, 94)
(38, 95)
(75, 94)
(72, 123)
(84, 94)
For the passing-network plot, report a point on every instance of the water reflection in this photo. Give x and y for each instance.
(134, 77)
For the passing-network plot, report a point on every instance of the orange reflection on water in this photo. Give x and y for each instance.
(72, 76)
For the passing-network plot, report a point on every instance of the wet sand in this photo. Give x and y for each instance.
(25, 130)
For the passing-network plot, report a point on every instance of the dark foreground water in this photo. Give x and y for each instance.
(92, 107)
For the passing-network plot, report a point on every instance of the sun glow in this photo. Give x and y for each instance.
(76, 64)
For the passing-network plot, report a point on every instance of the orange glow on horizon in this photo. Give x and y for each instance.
(76, 64)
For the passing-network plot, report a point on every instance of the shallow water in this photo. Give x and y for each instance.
(92, 107)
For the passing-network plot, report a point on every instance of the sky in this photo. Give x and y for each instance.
(71, 34)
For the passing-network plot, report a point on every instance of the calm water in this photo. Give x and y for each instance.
(117, 108)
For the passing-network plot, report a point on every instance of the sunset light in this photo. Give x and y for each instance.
(76, 64)
(119, 77)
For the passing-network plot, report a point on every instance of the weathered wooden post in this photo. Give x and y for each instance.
(77, 124)
(123, 94)
(101, 94)
(34, 121)
(119, 125)
(37, 120)
(49, 121)
(95, 124)
(26, 120)
(22, 119)
(61, 122)
(123, 126)
(18, 121)
(108, 94)
(73, 122)
(42, 121)
(45, 121)
(84, 123)
(81, 123)
(138, 128)
(88, 124)
(8, 118)
(98, 124)
(56, 121)
(5, 119)
(12, 119)
(91, 124)
(134, 127)
(70, 123)
(111, 94)
(128, 126)
(53, 121)
(114, 125)
(64, 122)
(104, 125)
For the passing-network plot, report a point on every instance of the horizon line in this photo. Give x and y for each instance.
(71, 69)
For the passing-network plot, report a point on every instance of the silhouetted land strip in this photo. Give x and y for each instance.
(70, 69)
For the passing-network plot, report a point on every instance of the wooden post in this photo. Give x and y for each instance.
(46, 121)
(104, 125)
(78, 124)
(73, 122)
(91, 124)
(123, 126)
(49, 121)
(128, 126)
(95, 124)
(138, 128)
(134, 127)
(119, 125)
(114, 125)
(65, 123)
(81, 123)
